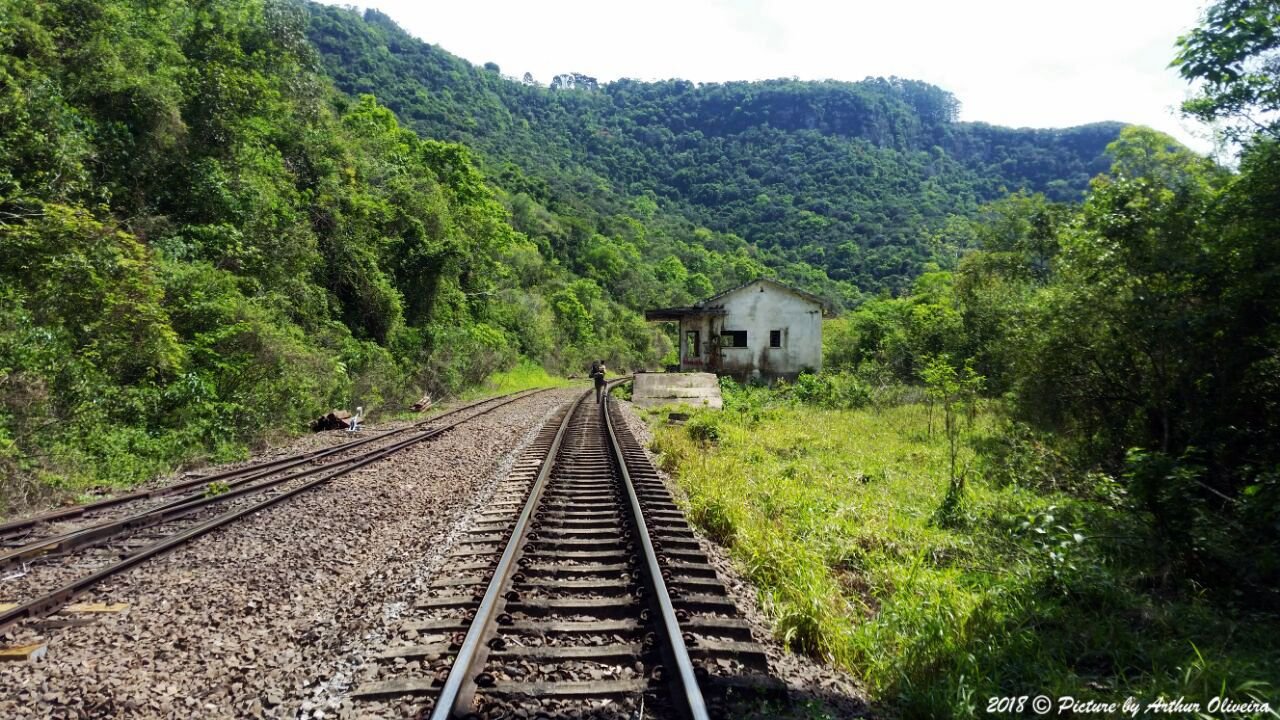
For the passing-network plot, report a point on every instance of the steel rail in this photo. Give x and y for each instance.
(694, 705)
(457, 695)
(51, 601)
(99, 532)
(258, 470)
(459, 686)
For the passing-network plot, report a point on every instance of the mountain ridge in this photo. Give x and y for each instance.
(840, 179)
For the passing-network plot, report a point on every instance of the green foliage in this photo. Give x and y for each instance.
(216, 488)
(524, 375)
(1156, 320)
(1233, 55)
(704, 427)
(829, 512)
(831, 390)
(834, 187)
(201, 241)
(1134, 334)
(956, 390)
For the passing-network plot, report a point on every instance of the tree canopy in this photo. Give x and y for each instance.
(834, 186)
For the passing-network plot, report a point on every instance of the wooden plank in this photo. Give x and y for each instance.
(440, 625)
(446, 601)
(625, 652)
(23, 653)
(572, 605)
(96, 608)
(546, 541)
(407, 686)
(432, 650)
(545, 550)
(58, 623)
(611, 585)
(570, 627)
(589, 688)
(583, 569)
(459, 581)
(574, 627)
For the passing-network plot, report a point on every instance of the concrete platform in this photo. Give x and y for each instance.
(699, 390)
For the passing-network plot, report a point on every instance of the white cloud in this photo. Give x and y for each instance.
(1009, 62)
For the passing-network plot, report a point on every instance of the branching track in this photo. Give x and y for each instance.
(118, 533)
(580, 592)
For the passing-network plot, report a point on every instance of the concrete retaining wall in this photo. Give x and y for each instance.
(694, 389)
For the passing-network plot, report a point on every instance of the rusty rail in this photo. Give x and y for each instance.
(244, 474)
(580, 545)
(50, 602)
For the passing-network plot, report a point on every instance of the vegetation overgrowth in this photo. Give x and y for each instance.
(525, 375)
(1042, 582)
(202, 242)
(213, 227)
(1054, 465)
(662, 191)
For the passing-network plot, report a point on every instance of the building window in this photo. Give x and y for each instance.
(775, 338)
(733, 338)
(692, 343)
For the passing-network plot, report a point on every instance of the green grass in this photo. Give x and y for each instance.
(135, 457)
(832, 514)
(526, 375)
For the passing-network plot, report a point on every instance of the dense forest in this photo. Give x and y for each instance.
(1053, 465)
(201, 240)
(218, 217)
(837, 187)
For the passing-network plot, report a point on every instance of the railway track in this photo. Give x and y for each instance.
(48, 564)
(579, 592)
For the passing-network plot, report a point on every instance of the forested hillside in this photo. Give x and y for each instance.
(201, 240)
(212, 223)
(1054, 465)
(839, 186)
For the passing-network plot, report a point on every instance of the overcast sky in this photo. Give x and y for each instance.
(1029, 63)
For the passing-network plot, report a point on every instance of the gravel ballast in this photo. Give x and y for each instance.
(282, 613)
(267, 617)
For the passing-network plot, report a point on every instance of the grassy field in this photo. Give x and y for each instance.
(526, 375)
(1031, 589)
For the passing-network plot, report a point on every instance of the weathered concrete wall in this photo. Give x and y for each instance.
(758, 309)
(699, 358)
(696, 389)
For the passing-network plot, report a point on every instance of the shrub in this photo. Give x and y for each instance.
(704, 428)
(464, 356)
(832, 390)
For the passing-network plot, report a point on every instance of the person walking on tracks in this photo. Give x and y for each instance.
(597, 373)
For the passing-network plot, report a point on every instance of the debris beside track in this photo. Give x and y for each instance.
(332, 420)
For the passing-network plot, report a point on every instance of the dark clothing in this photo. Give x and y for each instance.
(598, 375)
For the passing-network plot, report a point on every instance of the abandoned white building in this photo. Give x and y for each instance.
(761, 329)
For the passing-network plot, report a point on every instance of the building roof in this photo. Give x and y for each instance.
(706, 307)
(671, 313)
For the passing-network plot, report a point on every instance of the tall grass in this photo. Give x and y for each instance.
(831, 514)
(525, 375)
